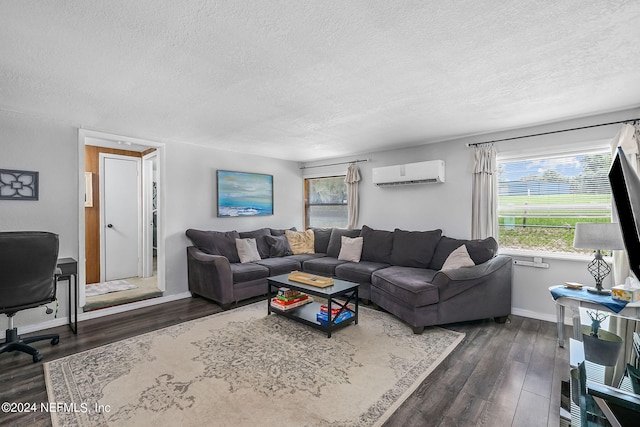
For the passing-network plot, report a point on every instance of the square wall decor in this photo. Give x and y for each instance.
(244, 194)
(18, 185)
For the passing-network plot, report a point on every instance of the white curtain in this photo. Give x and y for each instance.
(629, 139)
(352, 179)
(484, 218)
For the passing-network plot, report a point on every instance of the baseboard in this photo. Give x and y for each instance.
(534, 315)
(131, 306)
(60, 321)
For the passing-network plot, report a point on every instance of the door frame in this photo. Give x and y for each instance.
(147, 213)
(83, 135)
(103, 240)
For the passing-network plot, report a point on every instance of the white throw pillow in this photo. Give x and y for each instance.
(457, 259)
(247, 250)
(351, 249)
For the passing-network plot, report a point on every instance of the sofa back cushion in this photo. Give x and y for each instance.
(261, 242)
(479, 250)
(321, 238)
(335, 241)
(216, 242)
(301, 242)
(376, 245)
(278, 246)
(280, 231)
(414, 248)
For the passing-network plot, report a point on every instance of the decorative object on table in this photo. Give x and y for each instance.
(573, 285)
(629, 291)
(600, 346)
(598, 236)
(310, 279)
(18, 185)
(244, 194)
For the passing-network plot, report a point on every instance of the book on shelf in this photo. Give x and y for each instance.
(276, 303)
(323, 318)
(288, 293)
(334, 308)
(292, 299)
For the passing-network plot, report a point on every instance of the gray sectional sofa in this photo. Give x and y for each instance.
(399, 271)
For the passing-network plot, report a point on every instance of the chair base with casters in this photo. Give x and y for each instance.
(14, 343)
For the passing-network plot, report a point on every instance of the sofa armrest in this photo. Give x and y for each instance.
(209, 276)
(469, 273)
(452, 282)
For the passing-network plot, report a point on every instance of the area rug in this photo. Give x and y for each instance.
(102, 288)
(243, 367)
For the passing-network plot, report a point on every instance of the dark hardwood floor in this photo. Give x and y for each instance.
(500, 375)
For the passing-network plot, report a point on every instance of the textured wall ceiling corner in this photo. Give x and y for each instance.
(304, 80)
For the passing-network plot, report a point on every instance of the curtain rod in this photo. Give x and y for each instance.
(335, 164)
(552, 132)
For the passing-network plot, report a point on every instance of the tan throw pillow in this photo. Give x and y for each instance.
(247, 250)
(301, 242)
(457, 259)
(351, 249)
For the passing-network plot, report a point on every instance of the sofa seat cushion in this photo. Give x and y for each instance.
(325, 266)
(301, 258)
(248, 271)
(409, 284)
(359, 272)
(279, 266)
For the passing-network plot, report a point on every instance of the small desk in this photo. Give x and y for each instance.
(69, 267)
(631, 311)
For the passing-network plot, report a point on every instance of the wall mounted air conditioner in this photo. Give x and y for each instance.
(411, 173)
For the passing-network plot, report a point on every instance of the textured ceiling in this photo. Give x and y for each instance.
(305, 80)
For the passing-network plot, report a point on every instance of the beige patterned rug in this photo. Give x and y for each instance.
(244, 368)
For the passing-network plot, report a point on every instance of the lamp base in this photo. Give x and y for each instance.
(599, 291)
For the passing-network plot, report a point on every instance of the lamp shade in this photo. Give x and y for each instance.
(598, 235)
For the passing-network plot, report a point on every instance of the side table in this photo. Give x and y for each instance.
(585, 300)
(69, 268)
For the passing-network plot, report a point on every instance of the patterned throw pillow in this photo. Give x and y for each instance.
(301, 242)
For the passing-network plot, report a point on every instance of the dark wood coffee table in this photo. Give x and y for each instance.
(346, 291)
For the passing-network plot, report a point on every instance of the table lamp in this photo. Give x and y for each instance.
(598, 236)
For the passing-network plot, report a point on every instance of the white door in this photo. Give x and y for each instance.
(120, 216)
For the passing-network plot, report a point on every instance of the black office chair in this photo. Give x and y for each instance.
(28, 262)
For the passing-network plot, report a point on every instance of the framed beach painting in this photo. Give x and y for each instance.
(244, 194)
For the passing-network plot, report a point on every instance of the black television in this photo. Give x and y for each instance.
(625, 189)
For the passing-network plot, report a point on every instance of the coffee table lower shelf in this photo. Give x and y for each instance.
(347, 292)
(307, 314)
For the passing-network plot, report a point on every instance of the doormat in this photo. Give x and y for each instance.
(243, 367)
(95, 289)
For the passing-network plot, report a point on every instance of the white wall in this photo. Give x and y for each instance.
(191, 200)
(49, 148)
(32, 143)
(448, 205)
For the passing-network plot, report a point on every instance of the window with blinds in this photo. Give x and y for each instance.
(540, 199)
(326, 202)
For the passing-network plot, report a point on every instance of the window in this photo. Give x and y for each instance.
(540, 199)
(326, 202)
